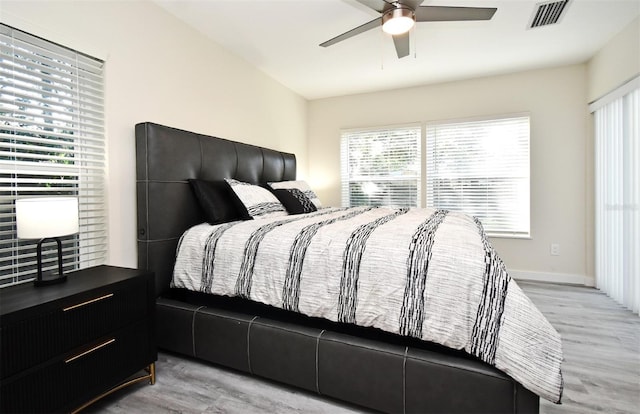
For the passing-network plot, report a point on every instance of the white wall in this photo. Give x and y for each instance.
(557, 103)
(617, 62)
(159, 70)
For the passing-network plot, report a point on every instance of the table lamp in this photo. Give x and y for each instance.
(47, 218)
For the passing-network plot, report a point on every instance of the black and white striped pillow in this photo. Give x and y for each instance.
(300, 185)
(294, 200)
(258, 201)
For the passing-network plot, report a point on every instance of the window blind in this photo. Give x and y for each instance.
(381, 166)
(617, 198)
(482, 168)
(51, 144)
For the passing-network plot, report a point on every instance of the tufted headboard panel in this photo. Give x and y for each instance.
(165, 159)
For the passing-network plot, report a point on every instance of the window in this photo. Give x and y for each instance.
(381, 166)
(617, 194)
(51, 143)
(482, 168)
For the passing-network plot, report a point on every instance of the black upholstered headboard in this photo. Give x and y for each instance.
(166, 158)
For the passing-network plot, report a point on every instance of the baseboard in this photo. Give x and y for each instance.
(564, 278)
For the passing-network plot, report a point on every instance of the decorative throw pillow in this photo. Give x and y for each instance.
(300, 185)
(294, 200)
(218, 202)
(258, 201)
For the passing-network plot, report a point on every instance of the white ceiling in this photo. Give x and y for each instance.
(281, 38)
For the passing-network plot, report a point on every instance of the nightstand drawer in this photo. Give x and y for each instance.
(66, 383)
(75, 321)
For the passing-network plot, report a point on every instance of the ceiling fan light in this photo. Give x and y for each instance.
(398, 21)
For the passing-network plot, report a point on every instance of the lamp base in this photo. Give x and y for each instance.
(51, 280)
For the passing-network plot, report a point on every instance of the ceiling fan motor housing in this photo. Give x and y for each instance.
(398, 20)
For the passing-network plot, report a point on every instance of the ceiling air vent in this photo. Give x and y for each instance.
(548, 13)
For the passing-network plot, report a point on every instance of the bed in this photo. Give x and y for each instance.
(369, 366)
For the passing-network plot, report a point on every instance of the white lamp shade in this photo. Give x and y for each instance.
(41, 217)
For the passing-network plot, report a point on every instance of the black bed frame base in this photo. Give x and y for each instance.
(358, 365)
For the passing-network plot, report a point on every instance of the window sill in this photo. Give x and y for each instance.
(510, 236)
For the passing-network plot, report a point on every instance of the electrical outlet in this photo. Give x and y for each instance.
(555, 249)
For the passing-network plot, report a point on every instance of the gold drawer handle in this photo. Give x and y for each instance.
(87, 302)
(95, 348)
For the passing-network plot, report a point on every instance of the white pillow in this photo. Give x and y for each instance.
(300, 185)
(258, 201)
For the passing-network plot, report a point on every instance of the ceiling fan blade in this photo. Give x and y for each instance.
(377, 5)
(360, 29)
(451, 14)
(401, 42)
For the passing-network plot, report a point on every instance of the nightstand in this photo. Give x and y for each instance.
(62, 347)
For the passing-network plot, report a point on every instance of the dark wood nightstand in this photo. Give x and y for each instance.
(62, 347)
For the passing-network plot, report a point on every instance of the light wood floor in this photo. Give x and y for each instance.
(601, 343)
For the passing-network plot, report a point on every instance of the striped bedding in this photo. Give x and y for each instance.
(424, 273)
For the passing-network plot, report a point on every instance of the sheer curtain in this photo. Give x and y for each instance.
(617, 193)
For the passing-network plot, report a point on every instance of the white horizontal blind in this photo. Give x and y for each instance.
(481, 168)
(617, 173)
(51, 143)
(381, 166)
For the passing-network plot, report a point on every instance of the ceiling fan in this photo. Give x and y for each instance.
(398, 17)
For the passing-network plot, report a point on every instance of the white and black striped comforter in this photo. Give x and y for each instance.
(425, 273)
